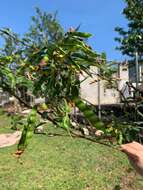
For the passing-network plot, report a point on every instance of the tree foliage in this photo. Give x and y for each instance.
(131, 39)
(44, 28)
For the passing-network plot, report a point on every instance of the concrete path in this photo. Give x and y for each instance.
(9, 139)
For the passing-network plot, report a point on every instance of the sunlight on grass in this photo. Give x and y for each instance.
(63, 163)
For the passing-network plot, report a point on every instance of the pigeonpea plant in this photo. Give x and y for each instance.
(52, 72)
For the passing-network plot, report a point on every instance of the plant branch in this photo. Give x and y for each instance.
(11, 92)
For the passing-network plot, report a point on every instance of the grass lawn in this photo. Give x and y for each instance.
(63, 163)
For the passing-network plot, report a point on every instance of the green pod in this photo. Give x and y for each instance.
(65, 123)
(120, 138)
(23, 140)
(89, 114)
(32, 117)
(27, 134)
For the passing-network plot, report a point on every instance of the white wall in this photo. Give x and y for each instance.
(89, 90)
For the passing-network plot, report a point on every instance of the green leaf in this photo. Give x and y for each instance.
(81, 34)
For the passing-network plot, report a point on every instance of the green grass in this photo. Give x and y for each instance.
(63, 163)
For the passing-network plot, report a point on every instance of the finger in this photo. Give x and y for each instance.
(131, 157)
(137, 145)
(129, 149)
(134, 145)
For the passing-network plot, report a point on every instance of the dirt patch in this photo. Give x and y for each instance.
(129, 182)
(9, 139)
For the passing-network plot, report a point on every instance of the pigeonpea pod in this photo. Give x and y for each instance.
(89, 114)
(28, 130)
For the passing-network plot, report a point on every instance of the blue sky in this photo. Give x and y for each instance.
(98, 17)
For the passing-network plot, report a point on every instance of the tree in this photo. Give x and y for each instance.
(9, 42)
(44, 29)
(131, 40)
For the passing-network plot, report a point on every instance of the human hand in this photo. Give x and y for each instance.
(134, 151)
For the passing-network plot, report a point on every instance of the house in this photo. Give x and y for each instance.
(95, 92)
